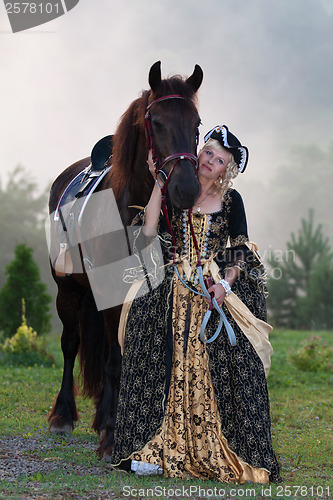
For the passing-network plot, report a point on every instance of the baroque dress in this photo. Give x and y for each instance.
(196, 409)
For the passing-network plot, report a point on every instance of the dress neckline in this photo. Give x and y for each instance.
(201, 214)
(198, 214)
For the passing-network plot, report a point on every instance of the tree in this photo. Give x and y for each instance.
(302, 181)
(22, 216)
(23, 281)
(301, 296)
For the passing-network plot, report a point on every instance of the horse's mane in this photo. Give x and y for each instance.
(130, 133)
(130, 130)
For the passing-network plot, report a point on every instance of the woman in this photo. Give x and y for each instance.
(187, 407)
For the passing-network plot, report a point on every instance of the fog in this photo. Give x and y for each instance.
(268, 75)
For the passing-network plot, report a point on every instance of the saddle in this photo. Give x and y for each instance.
(73, 202)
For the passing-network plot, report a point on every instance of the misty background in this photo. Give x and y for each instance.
(268, 75)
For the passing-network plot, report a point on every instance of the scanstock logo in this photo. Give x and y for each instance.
(25, 15)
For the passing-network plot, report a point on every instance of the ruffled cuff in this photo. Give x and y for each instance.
(147, 257)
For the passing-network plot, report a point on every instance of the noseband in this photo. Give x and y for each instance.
(159, 165)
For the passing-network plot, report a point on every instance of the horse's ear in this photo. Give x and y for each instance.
(195, 80)
(155, 76)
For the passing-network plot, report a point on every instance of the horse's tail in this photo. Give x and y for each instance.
(93, 349)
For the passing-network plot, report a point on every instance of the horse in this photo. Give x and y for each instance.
(163, 118)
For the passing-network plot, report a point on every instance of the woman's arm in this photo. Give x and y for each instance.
(153, 209)
(152, 212)
(230, 277)
(238, 235)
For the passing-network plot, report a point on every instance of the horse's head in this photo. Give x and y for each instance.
(172, 123)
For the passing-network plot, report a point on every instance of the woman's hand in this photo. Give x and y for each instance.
(152, 169)
(219, 293)
(150, 163)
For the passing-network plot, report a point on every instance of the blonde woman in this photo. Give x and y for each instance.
(189, 406)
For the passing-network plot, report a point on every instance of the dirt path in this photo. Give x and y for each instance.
(20, 461)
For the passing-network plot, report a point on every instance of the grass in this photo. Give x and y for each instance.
(302, 416)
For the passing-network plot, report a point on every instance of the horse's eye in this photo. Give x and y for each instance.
(157, 124)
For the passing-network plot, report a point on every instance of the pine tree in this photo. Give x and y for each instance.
(23, 212)
(302, 297)
(23, 281)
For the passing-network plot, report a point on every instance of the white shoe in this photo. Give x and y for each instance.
(145, 468)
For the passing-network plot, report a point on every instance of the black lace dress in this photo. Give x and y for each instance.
(193, 408)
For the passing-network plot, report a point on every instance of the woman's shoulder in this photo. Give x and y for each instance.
(234, 198)
(234, 194)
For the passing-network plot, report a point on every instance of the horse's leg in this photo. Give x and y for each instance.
(64, 413)
(106, 408)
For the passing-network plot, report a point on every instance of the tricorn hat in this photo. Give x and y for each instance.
(231, 143)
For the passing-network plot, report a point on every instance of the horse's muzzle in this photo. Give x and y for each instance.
(183, 186)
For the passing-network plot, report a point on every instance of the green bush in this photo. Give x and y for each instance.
(23, 280)
(313, 355)
(24, 348)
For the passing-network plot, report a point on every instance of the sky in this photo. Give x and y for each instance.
(268, 75)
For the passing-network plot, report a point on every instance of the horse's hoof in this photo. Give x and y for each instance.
(65, 429)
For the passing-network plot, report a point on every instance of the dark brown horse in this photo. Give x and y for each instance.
(173, 126)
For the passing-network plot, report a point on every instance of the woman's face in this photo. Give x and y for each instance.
(213, 162)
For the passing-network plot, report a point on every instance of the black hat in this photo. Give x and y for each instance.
(231, 143)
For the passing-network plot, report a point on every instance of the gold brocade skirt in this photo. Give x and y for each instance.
(190, 442)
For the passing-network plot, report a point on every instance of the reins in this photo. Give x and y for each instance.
(202, 281)
(159, 165)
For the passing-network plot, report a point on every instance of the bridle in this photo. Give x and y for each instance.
(159, 166)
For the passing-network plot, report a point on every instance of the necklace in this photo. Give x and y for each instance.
(205, 198)
(202, 228)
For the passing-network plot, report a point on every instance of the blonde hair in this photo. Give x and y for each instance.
(232, 168)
